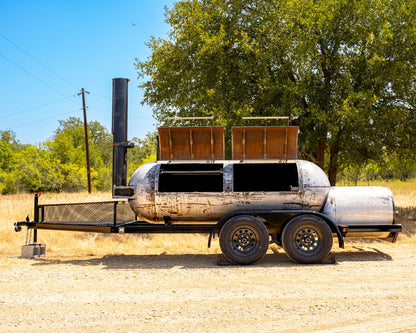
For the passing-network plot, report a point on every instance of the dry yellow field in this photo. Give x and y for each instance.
(131, 283)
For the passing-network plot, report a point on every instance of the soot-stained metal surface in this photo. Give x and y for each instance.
(259, 185)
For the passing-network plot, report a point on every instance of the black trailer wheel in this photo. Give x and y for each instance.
(307, 239)
(244, 239)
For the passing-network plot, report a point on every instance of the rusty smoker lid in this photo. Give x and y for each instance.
(248, 143)
(191, 143)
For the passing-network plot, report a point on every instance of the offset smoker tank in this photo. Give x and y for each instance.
(204, 192)
(264, 193)
(195, 183)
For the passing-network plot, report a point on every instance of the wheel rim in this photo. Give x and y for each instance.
(308, 240)
(244, 241)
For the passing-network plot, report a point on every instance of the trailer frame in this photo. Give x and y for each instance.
(134, 226)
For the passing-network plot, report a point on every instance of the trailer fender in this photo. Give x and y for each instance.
(334, 229)
(220, 224)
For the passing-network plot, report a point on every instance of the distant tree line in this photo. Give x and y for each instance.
(59, 164)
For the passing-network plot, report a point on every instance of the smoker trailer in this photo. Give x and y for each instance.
(264, 194)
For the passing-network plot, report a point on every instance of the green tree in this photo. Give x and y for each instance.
(8, 144)
(60, 163)
(345, 68)
(37, 170)
(101, 141)
(68, 147)
(8, 147)
(144, 151)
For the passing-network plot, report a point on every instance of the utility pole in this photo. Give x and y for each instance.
(87, 148)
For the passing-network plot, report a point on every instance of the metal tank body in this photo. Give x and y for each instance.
(300, 185)
(143, 200)
(314, 185)
(357, 205)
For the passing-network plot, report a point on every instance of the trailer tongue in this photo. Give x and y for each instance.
(264, 194)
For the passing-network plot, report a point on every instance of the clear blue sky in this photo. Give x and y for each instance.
(87, 43)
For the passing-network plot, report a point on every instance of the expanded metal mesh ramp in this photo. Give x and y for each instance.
(107, 213)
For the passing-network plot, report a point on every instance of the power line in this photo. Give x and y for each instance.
(34, 108)
(140, 117)
(35, 77)
(39, 62)
(134, 115)
(43, 119)
(101, 96)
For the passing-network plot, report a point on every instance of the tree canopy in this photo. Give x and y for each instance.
(345, 69)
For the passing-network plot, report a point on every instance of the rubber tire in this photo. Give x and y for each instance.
(236, 226)
(295, 227)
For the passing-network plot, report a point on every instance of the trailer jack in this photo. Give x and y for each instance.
(31, 249)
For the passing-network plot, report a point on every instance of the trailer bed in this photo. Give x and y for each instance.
(113, 216)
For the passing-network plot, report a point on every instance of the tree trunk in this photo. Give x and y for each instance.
(333, 163)
(320, 153)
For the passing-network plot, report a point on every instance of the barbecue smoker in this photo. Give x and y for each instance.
(264, 194)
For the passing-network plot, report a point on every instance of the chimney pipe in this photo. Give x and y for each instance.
(119, 131)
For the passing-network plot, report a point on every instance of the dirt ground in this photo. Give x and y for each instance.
(370, 288)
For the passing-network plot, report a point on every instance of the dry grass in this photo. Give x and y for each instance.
(16, 207)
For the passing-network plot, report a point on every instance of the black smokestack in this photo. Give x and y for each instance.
(119, 131)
